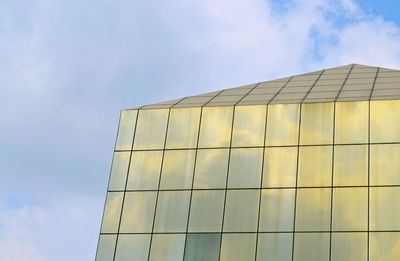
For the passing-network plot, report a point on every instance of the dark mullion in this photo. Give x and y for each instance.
(333, 171)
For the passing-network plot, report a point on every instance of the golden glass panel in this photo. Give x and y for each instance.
(132, 247)
(385, 164)
(249, 126)
(183, 128)
(167, 247)
(351, 122)
(126, 130)
(315, 166)
(275, 246)
(238, 247)
(283, 124)
(280, 166)
(245, 168)
(150, 131)
(202, 247)
(351, 165)
(105, 249)
(206, 211)
(313, 209)
(349, 247)
(211, 168)
(119, 171)
(177, 170)
(385, 246)
(316, 123)
(350, 209)
(385, 208)
(216, 125)
(144, 170)
(277, 210)
(311, 246)
(112, 212)
(138, 212)
(385, 121)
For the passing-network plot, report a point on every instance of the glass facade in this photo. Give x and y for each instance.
(292, 175)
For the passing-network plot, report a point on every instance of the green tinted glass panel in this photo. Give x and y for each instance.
(144, 170)
(385, 128)
(216, 125)
(211, 168)
(126, 130)
(177, 170)
(351, 165)
(202, 247)
(351, 122)
(280, 166)
(112, 212)
(249, 126)
(275, 246)
(105, 249)
(119, 171)
(245, 168)
(315, 166)
(132, 247)
(150, 131)
(385, 246)
(167, 247)
(349, 247)
(316, 123)
(311, 246)
(385, 208)
(283, 124)
(238, 247)
(385, 164)
(183, 128)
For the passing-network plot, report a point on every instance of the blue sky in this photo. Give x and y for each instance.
(67, 67)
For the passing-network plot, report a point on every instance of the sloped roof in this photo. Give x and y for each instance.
(351, 82)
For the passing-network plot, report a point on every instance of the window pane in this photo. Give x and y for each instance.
(241, 210)
(119, 171)
(351, 122)
(202, 247)
(277, 210)
(350, 209)
(126, 130)
(385, 128)
(385, 164)
(211, 168)
(216, 125)
(245, 168)
(172, 211)
(349, 247)
(311, 246)
(249, 126)
(316, 123)
(144, 170)
(315, 166)
(183, 128)
(280, 166)
(177, 170)
(151, 127)
(105, 249)
(206, 211)
(283, 124)
(138, 212)
(384, 246)
(351, 165)
(238, 247)
(132, 247)
(385, 208)
(313, 209)
(112, 212)
(275, 246)
(167, 247)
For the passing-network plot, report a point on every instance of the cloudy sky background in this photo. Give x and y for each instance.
(68, 66)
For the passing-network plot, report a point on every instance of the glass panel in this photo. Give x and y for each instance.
(138, 212)
(315, 166)
(313, 209)
(349, 247)
(172, 211)
(316, 123)
(144, 170)
(238, 247)
(126, 130)
(241, 210)
(280, 166)
(132, 247)
(275, 246)
(119, 171)
(387, 128)
(245, 168)
(167, 247)
(206, 211)
(350, 209)
(311, 246)
(351, 122)
(283, 124)
(202, 247)
(105, 249)
(177, 170)
(249, 126)
(211, 168)
(385, 208)
(351, 165)
(183, 128)
(112, 212)
(385, 164)
(151, 127)
(385, 246)
(216, 125)
(277, 210)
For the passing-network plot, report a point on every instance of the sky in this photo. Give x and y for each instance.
(67, 68)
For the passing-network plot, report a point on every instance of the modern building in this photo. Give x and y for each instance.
(301, 168)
